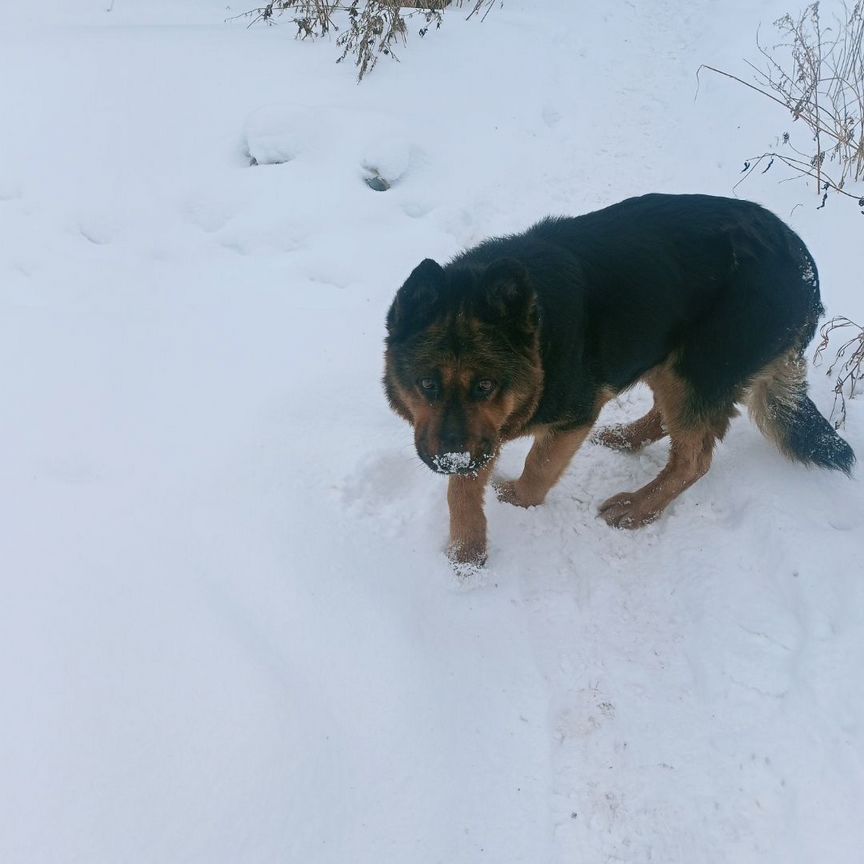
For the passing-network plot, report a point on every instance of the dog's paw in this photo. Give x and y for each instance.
(614, 437)
(505, 490)
(466, 557)
(627, 510)
(466, 570)
(508, 492)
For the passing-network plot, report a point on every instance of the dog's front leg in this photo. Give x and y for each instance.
(548, 458)
(467, 520)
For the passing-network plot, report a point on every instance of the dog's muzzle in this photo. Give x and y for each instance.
(457, 463)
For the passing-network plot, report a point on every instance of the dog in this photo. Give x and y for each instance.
(710, 301)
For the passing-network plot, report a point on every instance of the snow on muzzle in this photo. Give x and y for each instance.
(458, 463)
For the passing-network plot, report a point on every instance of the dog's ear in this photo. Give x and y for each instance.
(416, 297)
(508, 293)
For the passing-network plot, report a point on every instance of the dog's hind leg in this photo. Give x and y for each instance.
(689, 459)
(549, 456)
(634, 436)
(693, 435)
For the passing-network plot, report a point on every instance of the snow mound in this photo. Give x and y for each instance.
(376, 143)
(275, 134)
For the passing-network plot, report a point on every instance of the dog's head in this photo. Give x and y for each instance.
(463, 361)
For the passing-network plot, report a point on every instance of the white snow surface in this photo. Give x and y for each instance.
(228, 628)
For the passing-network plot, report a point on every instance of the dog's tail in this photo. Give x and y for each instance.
(779, 405)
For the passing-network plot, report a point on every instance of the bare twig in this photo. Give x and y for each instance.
(816, 72)
(798, 165)
(485, 5)
(740, 81)
(850, 357)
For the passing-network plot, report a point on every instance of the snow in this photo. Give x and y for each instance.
(450, 463)
(229, 630)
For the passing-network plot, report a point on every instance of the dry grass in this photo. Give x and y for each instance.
(815, 70)
(847, 362)
(367, 28)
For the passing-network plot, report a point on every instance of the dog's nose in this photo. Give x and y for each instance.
(451, 443)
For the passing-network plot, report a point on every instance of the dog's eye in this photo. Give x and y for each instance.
(485, 386)
(427, 384)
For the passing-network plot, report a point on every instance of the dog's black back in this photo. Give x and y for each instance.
(721, 284)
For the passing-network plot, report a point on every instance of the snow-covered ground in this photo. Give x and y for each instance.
(228, 631)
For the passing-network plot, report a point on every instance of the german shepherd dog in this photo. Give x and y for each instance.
(710, 301)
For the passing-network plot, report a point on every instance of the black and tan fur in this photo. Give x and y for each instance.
(710, 301)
